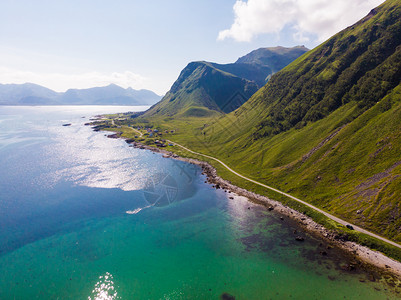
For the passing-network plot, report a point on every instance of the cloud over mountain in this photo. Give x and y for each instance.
(306, 18)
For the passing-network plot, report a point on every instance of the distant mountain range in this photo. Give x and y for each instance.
(33, 94)
(206, 88)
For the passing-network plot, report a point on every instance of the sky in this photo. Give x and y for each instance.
(145, 44)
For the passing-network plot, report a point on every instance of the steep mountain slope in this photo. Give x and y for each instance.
(205, 88)
(33, 94)
(257, 73)
(202, 89)
(327, 127)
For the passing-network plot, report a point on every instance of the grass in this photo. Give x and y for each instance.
(325, 129)
(278, 162)
(340, 230)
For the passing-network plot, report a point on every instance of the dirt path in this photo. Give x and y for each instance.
(136, 130)
(357, 228)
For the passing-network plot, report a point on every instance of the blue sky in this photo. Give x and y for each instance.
(145, 44)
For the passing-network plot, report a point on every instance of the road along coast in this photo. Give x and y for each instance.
(362, 255)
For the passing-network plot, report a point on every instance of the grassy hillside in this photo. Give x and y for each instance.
(350, 170)
(327, 127)
(361, 64)
(204, 87)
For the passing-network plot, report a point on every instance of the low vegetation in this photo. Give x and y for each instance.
(325, 129)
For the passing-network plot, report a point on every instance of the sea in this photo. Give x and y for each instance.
(83, 216)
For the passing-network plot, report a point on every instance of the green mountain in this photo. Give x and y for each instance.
(202, 90)
(327, 127)
(206, 89)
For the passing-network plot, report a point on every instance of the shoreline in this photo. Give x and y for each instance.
(367, 257)
(364, 254)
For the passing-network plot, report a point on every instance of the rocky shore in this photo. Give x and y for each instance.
(365, 255)
(361, 254)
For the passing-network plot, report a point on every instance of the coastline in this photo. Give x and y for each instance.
(364, 256)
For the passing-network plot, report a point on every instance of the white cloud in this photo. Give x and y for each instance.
(322, 18)
(61, 82)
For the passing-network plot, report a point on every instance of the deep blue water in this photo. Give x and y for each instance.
(65, 232)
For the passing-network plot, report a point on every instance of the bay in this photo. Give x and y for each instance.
(65, 232)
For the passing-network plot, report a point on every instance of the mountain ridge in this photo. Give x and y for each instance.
(206, 88)
(275, 57)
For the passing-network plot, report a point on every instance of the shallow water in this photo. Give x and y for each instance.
(65, 232)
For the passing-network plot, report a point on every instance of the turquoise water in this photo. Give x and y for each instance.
(65, 232)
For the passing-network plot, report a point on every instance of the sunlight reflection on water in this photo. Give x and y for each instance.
(104, 289)
(75, 152)
(94, 161)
